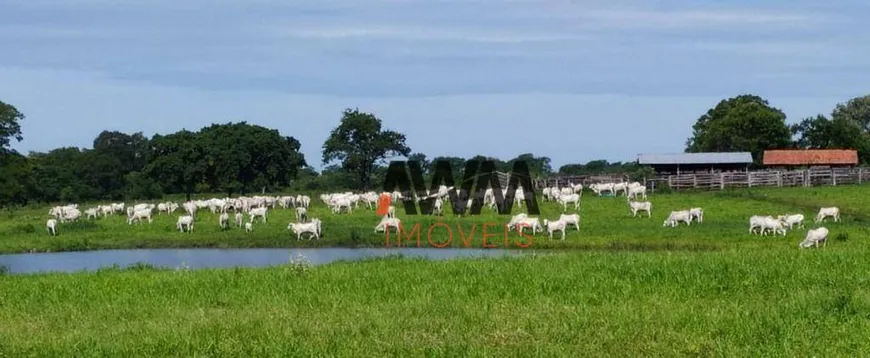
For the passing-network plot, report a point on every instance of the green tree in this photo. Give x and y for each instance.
(838, 133)
(743, 123)
(178, 162)
(16, 180)
(360, 143)
(10, 128)
(539, 166)
(241, 157)
(856, 110)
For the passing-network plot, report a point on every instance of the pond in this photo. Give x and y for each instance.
(217, 258)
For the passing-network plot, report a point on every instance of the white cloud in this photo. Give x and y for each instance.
(425, 34)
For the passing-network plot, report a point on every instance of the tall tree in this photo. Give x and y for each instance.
(538, 166)
(246, 158)
(178, 162)
(839, 133)
(856, 110)
(360, 143)
(9, 127)
(741, 123)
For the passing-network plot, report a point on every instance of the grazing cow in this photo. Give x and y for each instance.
(814, 237)
(249, 227)
(697, 214)
(792, 220)
(676, 216)
(833, 212)
(386, 223)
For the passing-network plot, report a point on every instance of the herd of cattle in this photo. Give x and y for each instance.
(257, 207)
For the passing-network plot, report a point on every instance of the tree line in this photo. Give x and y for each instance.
(241, 158)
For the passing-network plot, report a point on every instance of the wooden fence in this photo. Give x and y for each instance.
(563, 181)
(784, 178)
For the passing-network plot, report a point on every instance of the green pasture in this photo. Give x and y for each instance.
(622, 286)
(606, 223)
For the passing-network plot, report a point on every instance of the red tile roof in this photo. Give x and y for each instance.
(811, 157)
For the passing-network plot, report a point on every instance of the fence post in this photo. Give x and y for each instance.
(695, 181)
(779, 178)
(860, 174)
(749, 179)
(833, 177)
(671, 181)
(807, 180)
(721, 181)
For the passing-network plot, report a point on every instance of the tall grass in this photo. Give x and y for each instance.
(743, 302)
(606, 223)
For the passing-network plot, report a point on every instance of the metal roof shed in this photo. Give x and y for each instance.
(681, 162)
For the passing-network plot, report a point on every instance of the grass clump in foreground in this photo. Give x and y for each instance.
(606, 223)
(742, 302)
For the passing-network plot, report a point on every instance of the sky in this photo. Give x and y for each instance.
(572, 80)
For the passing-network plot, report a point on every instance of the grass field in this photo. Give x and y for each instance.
(775, 302)
(632, 288)
(606, 223)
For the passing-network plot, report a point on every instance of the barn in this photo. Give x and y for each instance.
(810, 158)
(686, 163)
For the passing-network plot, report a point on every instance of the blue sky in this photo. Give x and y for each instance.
(586, 79)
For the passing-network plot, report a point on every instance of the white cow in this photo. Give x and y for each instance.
(249, 227)
(558, 225)
(239, 218)
(697, 214)
(833, 212)
(775, 226)
(138, 215)
(814, 237)
(676, 216)
(634, 191)
(571, 219)
(224, 220)
(636, 206)
(757, 221)
(792, 219)
(569, 198)
(525, 222)
(257, 212)
(51, 225)
(312, 228)
(301, 214)
(514, 220)
(184, 222)
(386, 223)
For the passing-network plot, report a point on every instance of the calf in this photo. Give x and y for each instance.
(301, 214)
(554, 226)
(224, 220)
(636, 206)
(184, 222)
(51, 225)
